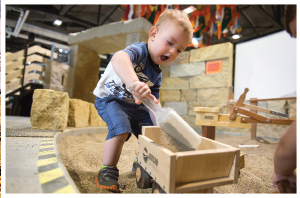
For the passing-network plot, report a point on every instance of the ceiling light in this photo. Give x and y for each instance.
(189, 9)
(57, 22)
(236, 36)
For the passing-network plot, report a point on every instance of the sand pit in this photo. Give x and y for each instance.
(82, 157)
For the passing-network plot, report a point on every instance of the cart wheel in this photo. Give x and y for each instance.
(142, 177)
(156, 188)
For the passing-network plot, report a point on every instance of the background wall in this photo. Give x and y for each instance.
(267, 66)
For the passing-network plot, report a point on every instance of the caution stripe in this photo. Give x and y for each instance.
(52, 178)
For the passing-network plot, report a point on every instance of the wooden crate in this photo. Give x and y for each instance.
(211, 164)
(207, 113)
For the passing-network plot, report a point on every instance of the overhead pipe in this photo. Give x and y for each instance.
(21, 21)
(16, 32)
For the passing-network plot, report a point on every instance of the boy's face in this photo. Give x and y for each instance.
(167, 41)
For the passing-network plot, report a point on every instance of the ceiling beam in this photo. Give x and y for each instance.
(65, 9)
(65, 17)
(110, 13)
(40, 31)
(263, 13)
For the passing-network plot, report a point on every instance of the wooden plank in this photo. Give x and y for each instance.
(207, 116)
(152, 132)
(252, 115)
(40, 50)
(14, 65)
(240, 101)
(14, 56)
(30, 58)
(9, 76)
(269, 99)
(281, 121)
(203, 164)
(19, 72)
(30, 50)
(193, 186)
(208, 144)
(156, 160)
(242, 160)
(224, 121)
(206, 109)
(17, 83)
(235, 168)
(254, 125)
(230, 97)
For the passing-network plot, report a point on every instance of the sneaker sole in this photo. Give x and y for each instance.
(112, 188)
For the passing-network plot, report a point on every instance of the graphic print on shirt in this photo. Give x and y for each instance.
(142, 77)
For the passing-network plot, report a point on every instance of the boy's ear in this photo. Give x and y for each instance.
(153, 32)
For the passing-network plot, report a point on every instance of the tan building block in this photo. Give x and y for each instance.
(50, 110)
(174, 83)
(188, 95)
(59, 77)
(170, 96)
(165, 70)
(222, 79)
(112, 37)
(79, 113)
(213, 52)
(86, 63)
(212, 94)
(181, 59)
(187, 69)
(95, 120)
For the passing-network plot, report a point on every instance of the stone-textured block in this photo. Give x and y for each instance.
(188, 95)
(95, 120)
(174, 83)
(109, 38)
(181, 59)
(179, 107)
(222, 79)
(170, 96)
(50, 109)
(213, 52)
(165, 70)
(86, 63)
(212, 94)
(79, 113)
(187, 69)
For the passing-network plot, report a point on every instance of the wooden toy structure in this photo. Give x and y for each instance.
(209, 117)
(211, 164)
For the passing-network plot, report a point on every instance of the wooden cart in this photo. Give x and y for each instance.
(211, 164)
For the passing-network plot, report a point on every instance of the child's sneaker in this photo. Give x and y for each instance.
(134, 165)
(107, 178)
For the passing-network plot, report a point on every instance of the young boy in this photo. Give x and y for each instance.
(137, 65)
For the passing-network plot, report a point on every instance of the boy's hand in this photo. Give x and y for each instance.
(140, 91)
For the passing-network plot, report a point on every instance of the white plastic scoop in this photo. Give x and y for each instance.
(170, 122)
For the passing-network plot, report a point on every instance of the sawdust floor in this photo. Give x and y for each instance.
(82, 157)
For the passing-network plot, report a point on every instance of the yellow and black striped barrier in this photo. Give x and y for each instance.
(52, 178)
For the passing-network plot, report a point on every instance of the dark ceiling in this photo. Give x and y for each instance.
(256, 21)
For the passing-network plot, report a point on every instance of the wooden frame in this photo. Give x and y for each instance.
(211, 164)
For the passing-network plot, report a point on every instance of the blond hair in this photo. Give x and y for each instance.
(178, 16)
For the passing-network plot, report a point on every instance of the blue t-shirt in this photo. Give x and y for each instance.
(146, 70)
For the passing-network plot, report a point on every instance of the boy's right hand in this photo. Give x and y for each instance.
(140, 91)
